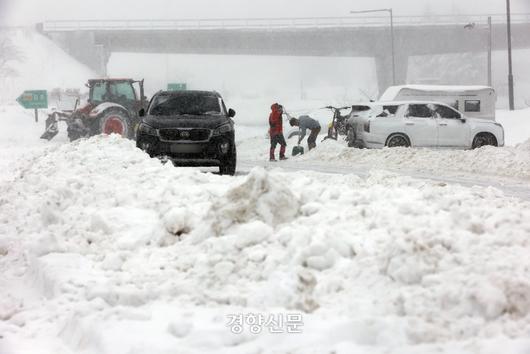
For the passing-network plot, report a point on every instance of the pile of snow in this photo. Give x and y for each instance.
(516, 125)
(512, 162)
(131, 256)
(487, 161)
(19, 137)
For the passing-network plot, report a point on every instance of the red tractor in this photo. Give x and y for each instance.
(112, 107)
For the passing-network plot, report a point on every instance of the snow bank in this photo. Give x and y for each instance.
(19, 137)
(133, 256)
(509, 162)
(487, 161)
(516, 125)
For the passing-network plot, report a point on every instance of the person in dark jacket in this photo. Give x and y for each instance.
(304, 123)
(276, 132)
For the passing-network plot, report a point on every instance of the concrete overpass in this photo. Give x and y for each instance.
(92, 42)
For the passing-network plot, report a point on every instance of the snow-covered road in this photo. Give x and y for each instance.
(513, 187)
(506, 169)
(103, 250)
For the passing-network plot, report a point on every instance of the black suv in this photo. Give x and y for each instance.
(190, 128)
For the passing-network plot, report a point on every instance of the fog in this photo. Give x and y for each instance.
(264, 78)
(23, 12)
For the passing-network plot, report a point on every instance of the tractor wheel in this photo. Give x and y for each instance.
(115, 122)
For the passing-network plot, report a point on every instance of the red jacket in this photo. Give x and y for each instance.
(275, 120)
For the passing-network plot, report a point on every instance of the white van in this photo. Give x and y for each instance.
(473, 101)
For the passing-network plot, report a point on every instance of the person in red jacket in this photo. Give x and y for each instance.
(276, 131)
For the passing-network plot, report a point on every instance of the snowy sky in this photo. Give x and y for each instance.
(21, 12)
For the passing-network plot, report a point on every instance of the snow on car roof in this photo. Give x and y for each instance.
(189, 93)
(398, 103)
(393, 91)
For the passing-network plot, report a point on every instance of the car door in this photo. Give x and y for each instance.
(420, 125)
(453, 131)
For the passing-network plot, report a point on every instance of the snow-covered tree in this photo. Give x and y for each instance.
(9, 54)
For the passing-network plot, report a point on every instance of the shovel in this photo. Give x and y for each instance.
(298, 150)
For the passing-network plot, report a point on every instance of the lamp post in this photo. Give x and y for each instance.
(390, 12)
(510, 67)
(490, 45)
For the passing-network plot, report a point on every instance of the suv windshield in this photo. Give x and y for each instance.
(168, 105)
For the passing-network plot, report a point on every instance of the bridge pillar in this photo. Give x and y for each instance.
(83, 47)
(383, 68)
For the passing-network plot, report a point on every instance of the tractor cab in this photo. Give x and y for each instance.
(126, 92)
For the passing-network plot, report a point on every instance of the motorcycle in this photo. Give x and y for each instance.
(338, 125)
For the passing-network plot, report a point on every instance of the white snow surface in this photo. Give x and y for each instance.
(103, 250)
(391, 93)
(511, 162)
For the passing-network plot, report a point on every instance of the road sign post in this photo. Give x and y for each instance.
(34, 99)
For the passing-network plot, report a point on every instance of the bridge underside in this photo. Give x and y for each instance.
(94, 47)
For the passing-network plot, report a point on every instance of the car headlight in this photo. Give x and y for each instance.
(147, 129)
(225, 128)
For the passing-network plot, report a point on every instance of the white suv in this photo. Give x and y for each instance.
(419, 124)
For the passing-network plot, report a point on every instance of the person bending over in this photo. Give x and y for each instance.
(304, 123)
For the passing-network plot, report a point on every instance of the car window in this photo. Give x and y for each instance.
(123, 90)
(388, 111)
(223, 106)
(446, 112)
(166, 105)
(419, 111)
(472, 105)
(98, 90)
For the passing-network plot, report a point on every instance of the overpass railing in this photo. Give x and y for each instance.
(271, 23)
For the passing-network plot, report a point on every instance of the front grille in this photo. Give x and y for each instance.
(184, 134)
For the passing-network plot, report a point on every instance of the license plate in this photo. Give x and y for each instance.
(186, 148)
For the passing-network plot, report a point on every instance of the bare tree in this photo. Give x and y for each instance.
(9, 54)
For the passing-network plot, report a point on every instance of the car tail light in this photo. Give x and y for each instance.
(367, 126)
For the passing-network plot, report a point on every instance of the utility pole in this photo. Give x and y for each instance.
(490, 45)
(510, 67)
(393, 48)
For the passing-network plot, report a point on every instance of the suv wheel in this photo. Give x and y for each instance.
(350, 137)
(397, 140)
(228, 166)
(483, 139)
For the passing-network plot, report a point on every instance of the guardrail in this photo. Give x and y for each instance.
(271, 23)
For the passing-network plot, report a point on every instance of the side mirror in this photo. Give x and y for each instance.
(231, 113)
(141, 113)
(463, 120)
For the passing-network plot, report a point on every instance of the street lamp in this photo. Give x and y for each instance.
(390, 12)
(510, 67)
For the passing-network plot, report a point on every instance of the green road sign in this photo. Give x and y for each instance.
(177, 86)
(33, 99)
